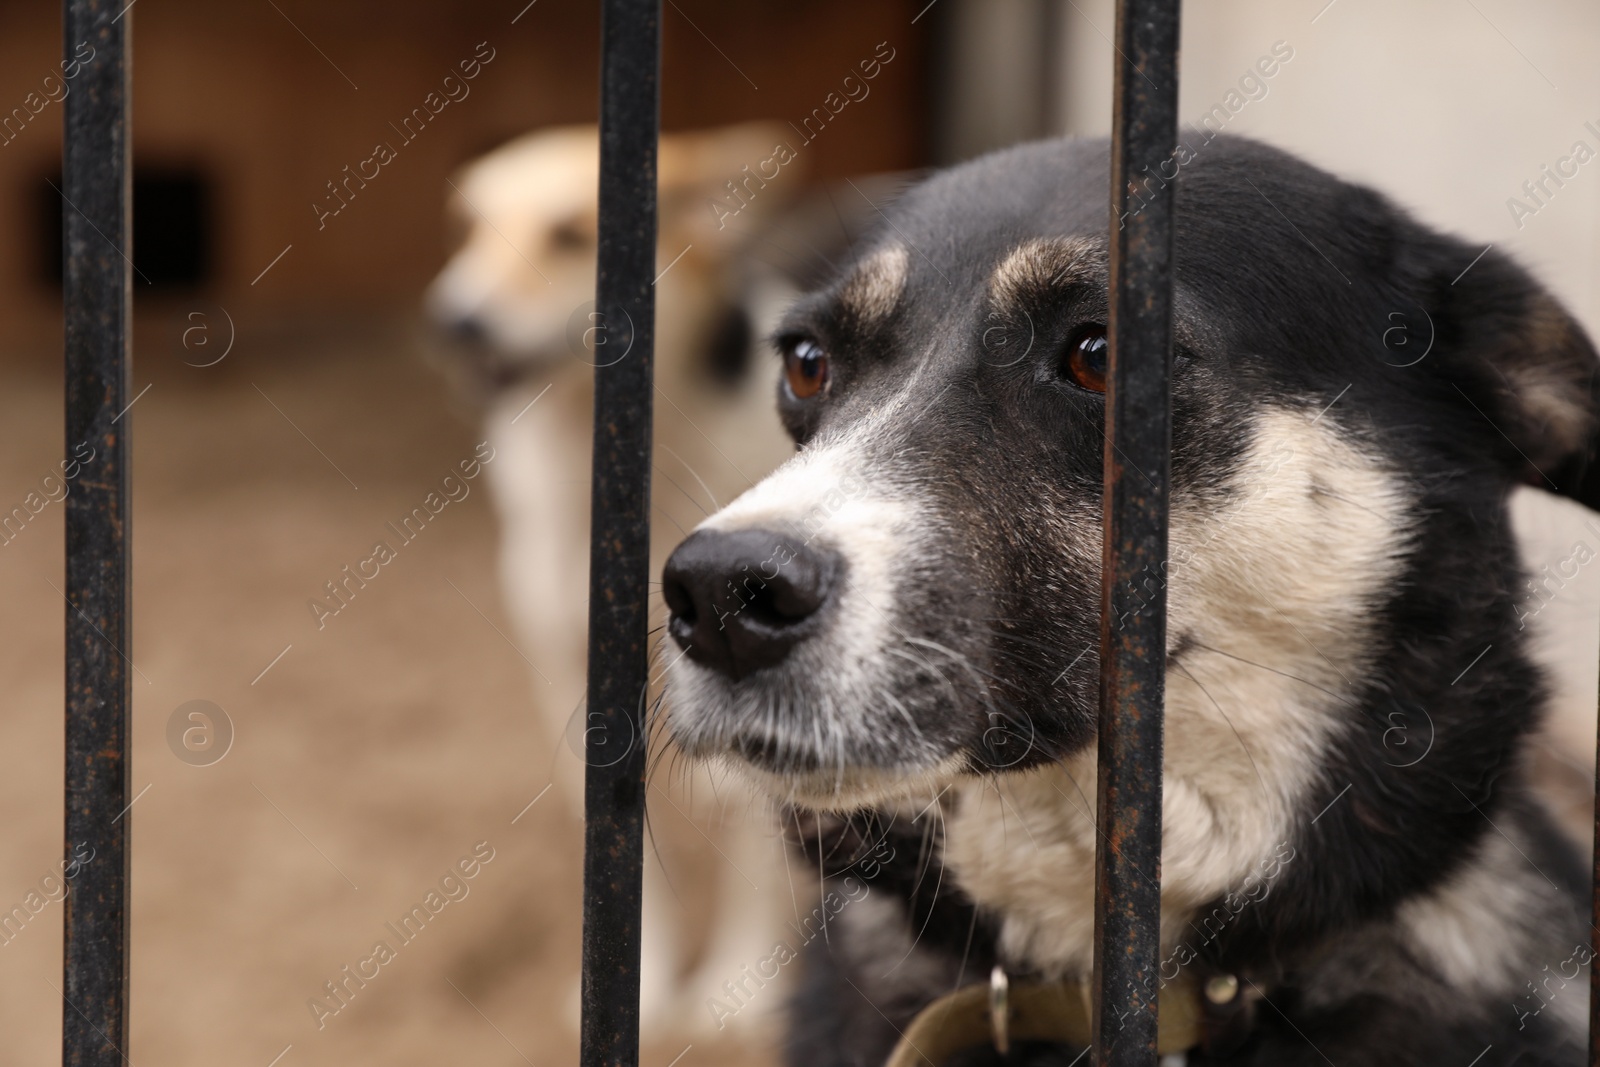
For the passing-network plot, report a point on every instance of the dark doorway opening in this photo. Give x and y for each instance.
(173, 229)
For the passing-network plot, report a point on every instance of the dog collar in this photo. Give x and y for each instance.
(1001, 1012)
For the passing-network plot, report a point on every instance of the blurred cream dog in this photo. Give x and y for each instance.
(519, 290)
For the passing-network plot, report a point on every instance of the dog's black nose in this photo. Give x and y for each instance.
(740, 600)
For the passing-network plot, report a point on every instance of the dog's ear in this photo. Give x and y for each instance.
(1512, 351)
(727, 179)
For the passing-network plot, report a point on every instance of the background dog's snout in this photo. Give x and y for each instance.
(740, 600)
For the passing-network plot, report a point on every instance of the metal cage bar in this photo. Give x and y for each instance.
(97, 291)
(619, 562)
(1594, 925)
(1133, 603)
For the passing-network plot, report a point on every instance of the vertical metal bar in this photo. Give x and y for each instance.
(1133, 600)
(97, 292)
(1594, 925)
(619, 562)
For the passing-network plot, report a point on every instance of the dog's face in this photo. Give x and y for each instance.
(527, 218)
(916, 595)
(520, 284)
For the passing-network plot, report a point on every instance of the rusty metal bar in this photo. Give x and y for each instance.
(98, 294)
(1594, 925)
(619, 561)
(1133, 603)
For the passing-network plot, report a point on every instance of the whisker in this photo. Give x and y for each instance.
(966, 952)
(694, 474)
(928, 918)
(1284, 674)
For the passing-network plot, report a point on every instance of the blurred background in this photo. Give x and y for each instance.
(299, 389)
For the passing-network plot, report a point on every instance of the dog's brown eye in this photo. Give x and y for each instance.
(805, 366)
(1085, 363)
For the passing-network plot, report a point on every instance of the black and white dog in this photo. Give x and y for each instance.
(895, 634)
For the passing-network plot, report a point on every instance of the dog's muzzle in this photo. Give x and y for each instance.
(742, 599)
